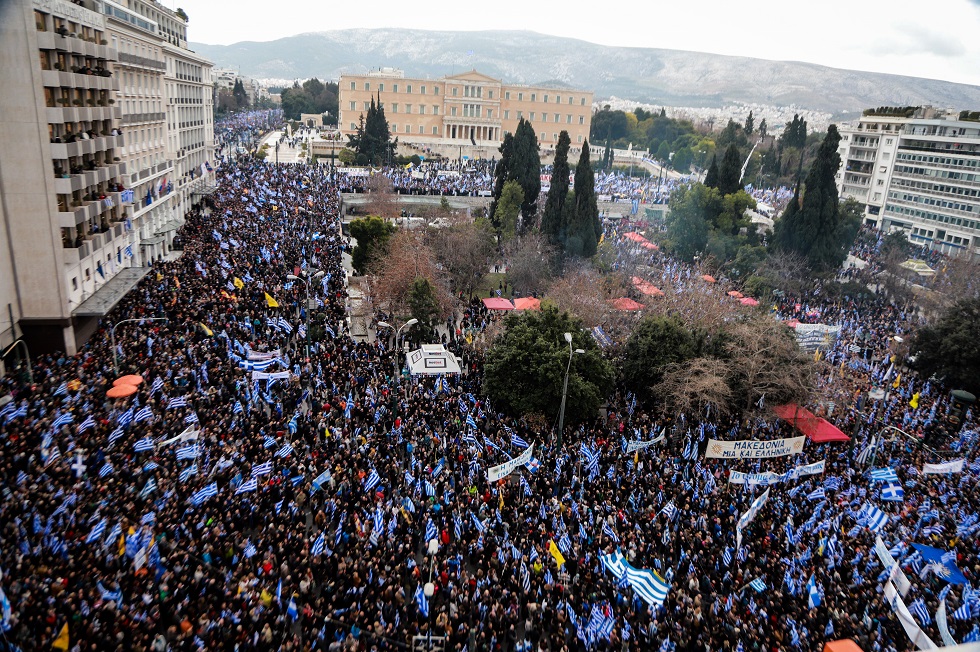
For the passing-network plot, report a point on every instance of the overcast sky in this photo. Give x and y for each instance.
(938, 39)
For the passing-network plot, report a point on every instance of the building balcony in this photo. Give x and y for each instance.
(136, 118)
(66, 114)
(75, 45)
(135, 60)
(87, 146)
(74, 216)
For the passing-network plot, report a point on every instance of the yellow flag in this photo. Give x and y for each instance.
(122, 545)
(238, 283)
(270, 301)
(898, 381)
(61, 643)
(207, 331)
(266, 597)
(501, 500)
(556, 553)
(914, 403)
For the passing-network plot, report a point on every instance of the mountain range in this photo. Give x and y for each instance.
(649, 75)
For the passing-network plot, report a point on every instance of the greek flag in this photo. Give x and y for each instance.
(608, 531)
(106, 470)
(250, 485)
(262, 469)
(470, 422)
(670, 510)
(187, 452)
(191, 418)
(62, 389)
(188, 472)
(143, 445)
(177, 402)
(285, 450)
(318, 546)
(203, 494)
(96, 532)
(876, 519)
(813, 594)
(114, 535)
(144, 414)
(150, 487)
(86, 425)
(819, 494)
(249, 550)
(758, 585)
(886, 474)
(422, 601)
(727, 556)
(66, 419)
(515, 440)
(431, 532)
(648, 585)
(525, 578)
(157, 385)
(268, 442)
(919, 609)
(372, 480)
(892, 491)
(126, 418)
(477, 523)
(115, 434)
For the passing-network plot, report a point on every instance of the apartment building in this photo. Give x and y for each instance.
(90, 192)
(916, 169)
(469, 110)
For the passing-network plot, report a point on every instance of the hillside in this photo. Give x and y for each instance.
(671, 77)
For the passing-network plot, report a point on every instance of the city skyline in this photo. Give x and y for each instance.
(870, 36)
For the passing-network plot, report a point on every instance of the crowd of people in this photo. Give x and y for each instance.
(273, 483)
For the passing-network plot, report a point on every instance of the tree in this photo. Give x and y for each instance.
(609, 124)
(656, 343)
(180, 13)
(749, 124)
(687, 228)
(763, 128)
(501, 173)
(465, 250)
(525, 368)
(663, 151)
(405, 258)
(711, 178)
(372, 139)
(507, 209)
(811, 224)
(730, 173)
(372, 234)
(525, 168)
(949, 348)
(552, 221)
(683, 158)
(584, 229)
(607, 157)
(424, 305)
(692, 386)
(241, 97)
(794, 135)
(529, 259)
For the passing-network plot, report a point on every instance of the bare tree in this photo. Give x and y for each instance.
(406, 258)
(587, 294)
(381, 198)
(465, 250)
(692, 386)
(528, 259)
(787, 271)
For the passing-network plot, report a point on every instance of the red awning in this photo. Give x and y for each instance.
(497, 303)
(748, 301)
(647, 288)
(708, 277)
(527, 303)
(736, 294)
(625, 303)
(818, 430)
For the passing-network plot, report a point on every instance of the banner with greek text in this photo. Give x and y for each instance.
(769, 477)
(279, 375)
(495, 473)
(640, 445)
(748, 449)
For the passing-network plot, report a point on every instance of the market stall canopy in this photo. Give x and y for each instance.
(748, 301)
(498, 303)
(132, 379)
(709, 278)
(818, 430)
(432, 360)
(843, 645)
(527, 303)
(736, 294)
(647, 288)
(625, 303)
(919, 267)
(121, 391)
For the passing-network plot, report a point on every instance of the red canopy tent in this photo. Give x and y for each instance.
(527, 303)
(498, 303)
(625, 303)
(646, 287)
(818, 430)
(708, 277)
(736, 294)
(748, 301)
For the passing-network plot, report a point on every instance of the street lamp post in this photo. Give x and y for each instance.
(293, 277)
(410, 322)
(564, 393)
(112, 337)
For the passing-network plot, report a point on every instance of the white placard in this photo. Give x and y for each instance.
(748, 449)
(495, 473)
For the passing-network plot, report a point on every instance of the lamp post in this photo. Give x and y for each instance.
(429, 589)
(564, 393)
(112, 337)
(293, 277)
(410, 322)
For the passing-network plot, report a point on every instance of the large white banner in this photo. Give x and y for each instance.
(768, 478)
(279, 375)
(956, 466)
(635, 445)
(897, 575)
(746, 448)
(916, 635)
(495, 473)
(814, 336)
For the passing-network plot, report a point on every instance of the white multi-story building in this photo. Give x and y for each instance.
(917, 170)
(190, 124)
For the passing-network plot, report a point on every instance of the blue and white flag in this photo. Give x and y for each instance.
(143, 445)
(319, 545)
(758, 585)
(284, 450)
(892, 491)
(176, 402)
(262, 469)
(813, 594)
(876, 519)
(203, 494)
(248, 485)
(106, 470)
(886, 474)
(517, 441)
(648, 585)
(144, 414)
(372, 480)
(422, 601)
(187, 452)
(97, 532)
(187, 473)
(88, 424)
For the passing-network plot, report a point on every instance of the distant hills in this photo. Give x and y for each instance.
(656, 76)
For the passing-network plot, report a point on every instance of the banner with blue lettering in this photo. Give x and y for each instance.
(748, 449)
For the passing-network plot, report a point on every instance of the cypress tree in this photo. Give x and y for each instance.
(749, 124)
(711, 179)
(552, 225)
(585, 229)
(730, 173)
(810, 225)
(525, 168)
(501, 173)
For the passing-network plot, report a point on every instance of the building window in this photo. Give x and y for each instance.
(421, 109)
(532, 116)
(353, 86)
(520, 114)
(580, 138)
(490, 95)
(581, 119)
(367, 86)
(394, 129)
(489, 113)
(557, 99)
(381, 87)
(545, 98)
(557, 117)
(422, 90)
(520, 97)
(408, 129)
(353, 127)
(394, 88)
(353, 106)
(542, 136)
(452, 111)
(506, 115)
(435, 131)
(544, 117)
(507, 95)
(408, 108)
(455, 89)
(534, 97)
(582, 102)
(366, 106)
(394, 108)
(570, 99)
(435, 109)
(408, 88)
(74, 282)
(569, 118)
(435, 91)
